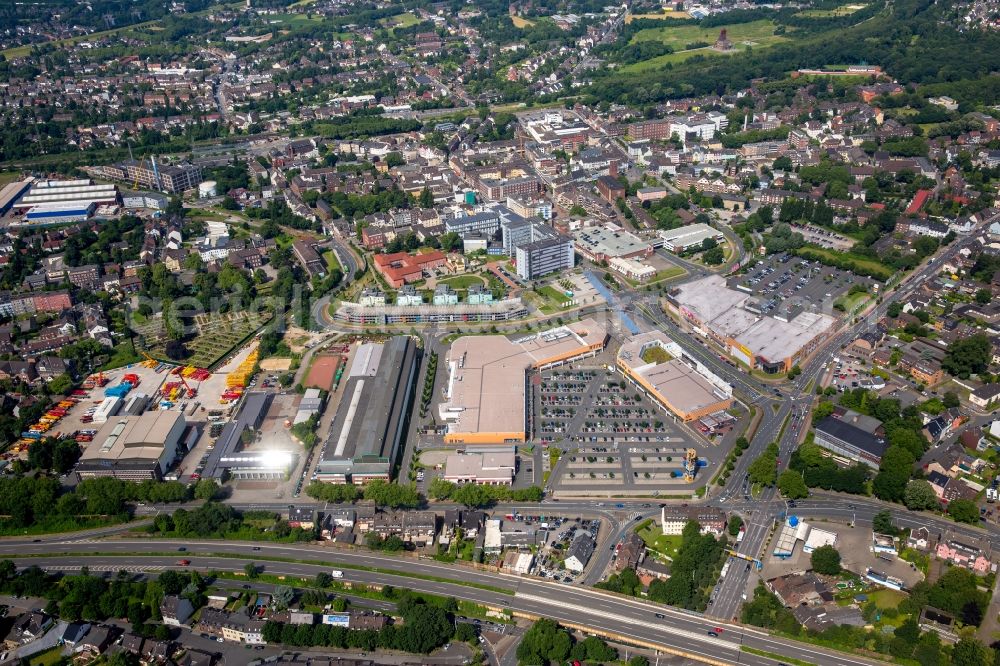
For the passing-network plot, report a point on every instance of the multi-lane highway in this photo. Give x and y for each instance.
(627, 618)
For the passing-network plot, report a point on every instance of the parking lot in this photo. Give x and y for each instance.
(782, 278)
(824, 237)
(551, 535)
(612, 438)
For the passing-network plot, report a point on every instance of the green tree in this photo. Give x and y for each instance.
(251, 571)
(713, 256)
(826, 560)
(964, 511)
(970, 652)
(920, 496)
(439, 489)
(764, 469)
(472, 495)
(791, 485)
(465, 632)
(392, 495)
(894, 474)
(61, 385)
(206, 489)
(735, 523)
(426, 198)
(968, 356)
(544, 642)
(882, 522)
(282, 596)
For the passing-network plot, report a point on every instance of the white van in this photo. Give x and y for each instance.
(337, 573)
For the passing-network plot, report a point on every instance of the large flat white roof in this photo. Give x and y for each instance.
(720, 308)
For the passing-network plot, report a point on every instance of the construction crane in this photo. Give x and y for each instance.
(150, 362)
(191, 393)
(156, 172)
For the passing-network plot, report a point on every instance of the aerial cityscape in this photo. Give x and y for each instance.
(401, 332)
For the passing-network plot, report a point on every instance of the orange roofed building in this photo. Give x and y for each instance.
(402, 268)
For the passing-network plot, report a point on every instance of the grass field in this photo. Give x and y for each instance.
(400, 20)
(8, 177)
(47, 658)
(877, 268)
(852, 301)
(756, 34)
(553, 299)
(887, 598)
(521, 23)
(665, 14)
(462, 281)
(843, 10)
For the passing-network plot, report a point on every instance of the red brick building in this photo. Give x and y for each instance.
(401, 268)
(52, 301)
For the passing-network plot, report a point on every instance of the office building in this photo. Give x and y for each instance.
(689, 237)
(162, 177)
(550, 253)
(603, 243)
(488, 468)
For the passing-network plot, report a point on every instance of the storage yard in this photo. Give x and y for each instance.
(137, 389)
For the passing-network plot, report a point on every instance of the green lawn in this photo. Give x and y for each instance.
(553, 299)
(400, 20)
(47, 658)
(843, 10)
(331, 260)
(756, 34)
(852, 301)
(886, 598)
(9, 177)
(462, 281)
(879, 270)
(656, 540)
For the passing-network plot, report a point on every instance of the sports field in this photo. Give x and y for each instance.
(322, 371)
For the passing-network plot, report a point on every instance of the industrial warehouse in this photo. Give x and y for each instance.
(43, 202)
(370, 425)
(681, 384)
(772, 343)
(486, 394)
(136, 448)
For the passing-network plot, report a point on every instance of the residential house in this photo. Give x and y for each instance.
(919, 539)
(986, 396)
(26, 628)
(175, 610)
(963, 555)
(96, 641)
(674, 518)
(631, 552)
(579, 552)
